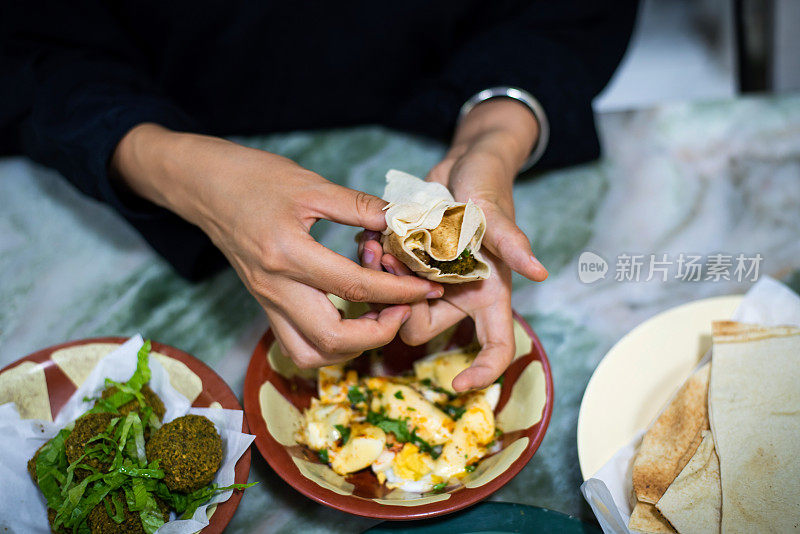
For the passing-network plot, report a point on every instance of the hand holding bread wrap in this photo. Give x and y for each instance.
(432, 234)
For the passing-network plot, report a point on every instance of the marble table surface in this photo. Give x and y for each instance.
(717, 180)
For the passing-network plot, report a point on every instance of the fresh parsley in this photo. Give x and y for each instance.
(470, 468)
(344, 431)
(399, 428)
(455, 412)
(440, 487)
(323, 456)
(398, 395)
(355, 395)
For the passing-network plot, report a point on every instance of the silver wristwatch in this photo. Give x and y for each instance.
(521, 96)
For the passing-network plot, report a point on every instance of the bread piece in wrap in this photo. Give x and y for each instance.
(693, 501)
(646, 518)
(426, 226)
(754, 404)
(673, 438)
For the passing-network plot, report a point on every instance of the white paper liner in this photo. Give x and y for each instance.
(609, 492)
(23, 508)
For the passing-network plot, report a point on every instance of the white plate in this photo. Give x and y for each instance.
(639, 374)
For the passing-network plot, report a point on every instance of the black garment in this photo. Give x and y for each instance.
(78, 75)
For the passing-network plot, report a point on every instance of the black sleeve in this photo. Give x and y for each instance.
(562, 52)
(79, 85)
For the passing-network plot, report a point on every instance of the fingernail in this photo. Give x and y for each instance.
(388, 268)
(536, 262)
(368, 256)
(435, 293)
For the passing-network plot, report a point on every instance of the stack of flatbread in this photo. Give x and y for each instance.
(724, 454)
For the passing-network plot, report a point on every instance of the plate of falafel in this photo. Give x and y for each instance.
(133, 437)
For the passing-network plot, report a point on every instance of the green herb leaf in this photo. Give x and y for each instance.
(440, 487)
(355, 395)
(323, 456)
(141, 375)
(400, 430)
(197, 498)
(344, 431)
(455, 412)
(398, 395)
(387, 424)
(470, 468)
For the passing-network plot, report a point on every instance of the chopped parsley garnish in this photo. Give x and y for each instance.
(440, 487)
(455, 412)
(344, 431)
(470, 468)
(398, 395)
(426, 382)
(355, 395)
(323, 456)
(399, 428)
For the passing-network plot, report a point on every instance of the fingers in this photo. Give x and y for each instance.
(348, 206)
(324, 328)
(371, 253)
(505, 239)
(316, 266)
(429, 319)
(487, 367)
(294, 345)
(395, 266)
(494, 326)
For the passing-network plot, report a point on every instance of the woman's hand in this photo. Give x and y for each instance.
(258, 209)
(490, 146)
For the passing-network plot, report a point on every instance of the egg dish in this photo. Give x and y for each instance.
(414, 432)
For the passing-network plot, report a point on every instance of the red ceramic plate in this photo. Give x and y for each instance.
(363, 494)
(60, 388)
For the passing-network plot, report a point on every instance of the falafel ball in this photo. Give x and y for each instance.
(189, 451)
(32, 464)
(150, 398)
(86, 427)
(464, 264)
(101, 523)
(51, 518)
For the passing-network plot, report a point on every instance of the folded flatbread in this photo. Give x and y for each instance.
(693, 502)
(435, 236)
(754, 403)
(671, 441)
(646, 518)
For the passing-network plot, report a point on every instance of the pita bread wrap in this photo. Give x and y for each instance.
(754, 403)
(425, 227)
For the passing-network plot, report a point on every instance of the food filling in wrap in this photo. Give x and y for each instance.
(435, 236)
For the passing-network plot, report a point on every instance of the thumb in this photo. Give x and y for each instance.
(348, 206)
